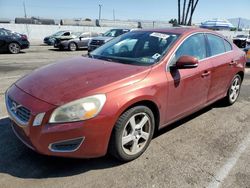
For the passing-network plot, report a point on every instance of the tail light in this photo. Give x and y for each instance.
(24, 37)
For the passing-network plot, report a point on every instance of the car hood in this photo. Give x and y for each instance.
(103, 38)
(78, 77)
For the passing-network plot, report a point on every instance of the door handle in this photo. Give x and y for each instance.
(205, 74)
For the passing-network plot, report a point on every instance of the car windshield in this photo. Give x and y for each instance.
(138, 47)
(113, 33)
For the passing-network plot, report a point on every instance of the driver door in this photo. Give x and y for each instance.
(188, 88)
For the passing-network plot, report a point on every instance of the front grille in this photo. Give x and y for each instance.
(18, 111)
(97, 42)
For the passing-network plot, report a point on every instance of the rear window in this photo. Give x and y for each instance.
(216, 44)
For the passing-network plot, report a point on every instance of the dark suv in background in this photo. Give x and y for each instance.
(12, 42)
(98, 41)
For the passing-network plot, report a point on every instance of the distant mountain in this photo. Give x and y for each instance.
(244, 23)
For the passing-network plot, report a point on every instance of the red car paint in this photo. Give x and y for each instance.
(173, 96)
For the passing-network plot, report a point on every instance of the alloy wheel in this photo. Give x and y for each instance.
(136, 133)
(72, 46)
(235, 89)
(14, 48)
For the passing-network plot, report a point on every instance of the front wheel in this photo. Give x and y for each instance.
(233, 91)
(72, 46)
(132, 133)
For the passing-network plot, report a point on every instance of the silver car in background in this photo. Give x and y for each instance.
(80, 41)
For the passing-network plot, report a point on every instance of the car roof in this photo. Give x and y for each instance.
(179, 30)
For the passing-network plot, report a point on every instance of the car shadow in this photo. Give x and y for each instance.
(56, 50)
(19, 161)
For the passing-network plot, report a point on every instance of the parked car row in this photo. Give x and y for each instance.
(67, 40)
(14, 42)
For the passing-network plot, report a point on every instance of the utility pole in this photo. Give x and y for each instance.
(239, 24)
(100, 11)
(114, 14)
(24, 8)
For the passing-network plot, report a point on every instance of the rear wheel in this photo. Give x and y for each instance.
(233, 91)
(14, 48)
(132, 133)
(72, 46)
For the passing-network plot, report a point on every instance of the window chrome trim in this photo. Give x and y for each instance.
(204, 33)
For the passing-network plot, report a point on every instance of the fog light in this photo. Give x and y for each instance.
(70, 145)
(38, 119)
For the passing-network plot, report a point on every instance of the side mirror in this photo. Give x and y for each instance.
(80, 38)
(187, 62)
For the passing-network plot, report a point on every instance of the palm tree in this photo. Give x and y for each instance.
(179, 11)
(193, 7)
(183, 13)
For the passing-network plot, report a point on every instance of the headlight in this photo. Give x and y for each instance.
(78, 110)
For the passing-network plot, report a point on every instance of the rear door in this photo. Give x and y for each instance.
(222, 58)
(188, 88)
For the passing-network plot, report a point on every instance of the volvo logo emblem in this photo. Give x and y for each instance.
(15, 107)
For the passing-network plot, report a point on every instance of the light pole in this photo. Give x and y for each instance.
(114, 14)
(100, 11)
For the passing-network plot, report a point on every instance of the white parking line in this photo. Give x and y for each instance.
(230, 163)
(10, 77)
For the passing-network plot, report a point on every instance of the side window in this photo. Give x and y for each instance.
(66, 34)
(85, 35)
(193, 46)
(216, 44)
(228, 46)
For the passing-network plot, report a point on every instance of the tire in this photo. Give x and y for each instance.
(132, 133)
(14, 48)
(233, 91)
(72, 46)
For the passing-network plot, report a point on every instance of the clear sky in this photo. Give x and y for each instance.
(124, 9)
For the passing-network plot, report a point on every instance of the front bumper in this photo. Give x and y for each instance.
(61, 46)
(85, 139)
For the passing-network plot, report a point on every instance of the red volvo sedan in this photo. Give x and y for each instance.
(114, 100)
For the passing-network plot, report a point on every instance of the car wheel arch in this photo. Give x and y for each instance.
(241, 74)
(152, 105)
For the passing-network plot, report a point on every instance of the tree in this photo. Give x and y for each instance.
(173, 22)
(187, 12)
(179, 11)
(183, 13)
(194, 4)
